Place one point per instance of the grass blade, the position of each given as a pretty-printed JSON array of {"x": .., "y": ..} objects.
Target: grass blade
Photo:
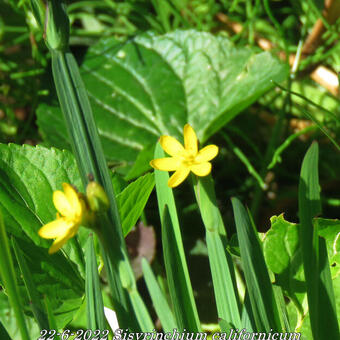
[
  {"x": 176, "y": 277},
  {"x": 259, "y": 287},
  {"x": 243, "y": 158},
  {"x": 94, "y": 300},
  {"x": 314, "y": 254},
  {"x": 159, "y": 301},
  {"x": 221, "y": 264}
]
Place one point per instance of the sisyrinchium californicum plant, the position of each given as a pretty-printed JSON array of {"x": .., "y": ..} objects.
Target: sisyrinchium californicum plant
[{"x": 170, "y": 99}]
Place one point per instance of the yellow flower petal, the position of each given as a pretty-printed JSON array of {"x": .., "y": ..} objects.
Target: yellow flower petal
[
  {"x": 62, "y": 204},
  {"x": 171, "y": 145},
  {"x": 58, "y": 243},
  {"x": 73, "y": 199},
  {"x": 178, "y": 177},
  {"x": 207, "y": 153},
  {"x": 190, "y": 139},
  {"x": 166, "y": 164},
  {"x": 56, "y": 228},
  {"x": 202, "y": 169}
]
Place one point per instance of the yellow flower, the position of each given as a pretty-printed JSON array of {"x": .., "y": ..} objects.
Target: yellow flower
[
  {"x": 71, "y": 210},
  {"x": 184, "y": 159}
]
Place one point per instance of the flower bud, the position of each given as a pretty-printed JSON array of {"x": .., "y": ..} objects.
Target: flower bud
[
  {"x": 57, "y": 25},
  {"x": 97, "y": 198},
  {"x": 38, "y": 11}
]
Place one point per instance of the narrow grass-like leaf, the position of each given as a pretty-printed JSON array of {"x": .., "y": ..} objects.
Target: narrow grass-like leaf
[
  {"x": 309, "y": 207},
  {"x": 314, "y": 253},
  {"x": 221, "y": 264},
  {"x": 135, "y": 316},
  {"x": 224, "y": 325},
  {"x": 142, "y": 314},
  {"x": 159, "y": 301},
  {"x": 7, "y": 274},
  {"x": 281, "y": 303},
  {"x": 35, "y": 301},
  {"x": 259, "y": 287},
  {"x": 176, "y": 276},
  {"x": 311, "y": 117},
  {"x": 277, "y": 154},
  {"x": 94, "y": 300},
  {"x": 179, "y": 283},
  {"x": 248, "y": 321},
  {"x": 320, "y": 126}
]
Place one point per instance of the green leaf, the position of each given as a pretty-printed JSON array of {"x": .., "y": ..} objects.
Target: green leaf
[
  {"x": 10, "y": 284},
  {"x": 281, "y": 248},
  {"x": 261, "y": 294},
  {"x": 159, "y": 301},
  {"x": 9, "y": 322},
  {"x": 221, "y": 264},
  {"x": 314, "y": 254},
  {"x": 28, "y": 177},
  {"x": 330, "y": 231},
  {"x": 183, "y": 303},
  {"x": 282, "y": 251},
  {"x": 94, "y": 300},
  {"x": 35, "y": 301},
  {"x": 153, "y": 85},
  {"x": 131, "y": 201},
  {"x": 141, "y": 164}
]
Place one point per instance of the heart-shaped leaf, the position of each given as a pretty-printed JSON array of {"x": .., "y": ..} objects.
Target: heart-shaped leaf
[{"x": 153, "y": 85}]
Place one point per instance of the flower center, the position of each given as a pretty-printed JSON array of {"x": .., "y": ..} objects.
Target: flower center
[{"x": 189, "y": 159}]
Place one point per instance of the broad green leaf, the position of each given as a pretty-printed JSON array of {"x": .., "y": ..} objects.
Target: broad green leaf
[
  {"x": 282, "y": 252},
  {"x": 28, "y": 177},
  {"x": 330, "y": 231},
  {"x": 153, "y": 85},
  {"x": 219, "y": 79},
  {"x": 131, "y": 201},
  {"x": 36, "y": 304},
  {"x": 283, "y": 256}
]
